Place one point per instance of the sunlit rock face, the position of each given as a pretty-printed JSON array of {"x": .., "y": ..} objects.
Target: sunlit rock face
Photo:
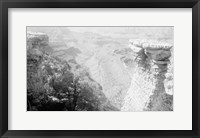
[{"x": 147, "y": 90}]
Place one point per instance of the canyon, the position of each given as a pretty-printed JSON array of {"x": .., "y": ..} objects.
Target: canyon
[{"x": 134, "y": 74}]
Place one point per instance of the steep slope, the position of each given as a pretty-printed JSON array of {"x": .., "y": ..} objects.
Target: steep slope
[
  {"x": 147, "y": 91},
  {"x": 54, "y": 84}
]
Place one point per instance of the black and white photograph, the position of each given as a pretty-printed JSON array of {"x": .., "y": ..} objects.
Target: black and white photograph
[{"x": 100, "y": 68}]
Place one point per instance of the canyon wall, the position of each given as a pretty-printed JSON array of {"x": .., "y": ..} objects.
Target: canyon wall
[
  {"x": 36, "y": 39},
  {"x": 54, "y": 84},
  {"x": 147, "y": 90}
]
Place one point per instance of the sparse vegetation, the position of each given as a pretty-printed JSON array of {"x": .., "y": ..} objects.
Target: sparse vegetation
[{"x": 52, "y": 85}]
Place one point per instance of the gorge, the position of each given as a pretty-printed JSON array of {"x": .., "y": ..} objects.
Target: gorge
[{"x": 116, "y": 74}]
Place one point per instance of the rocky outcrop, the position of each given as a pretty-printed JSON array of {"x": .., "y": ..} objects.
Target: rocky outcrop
[
  {"x": 147, "y": 90},
  {"x": 36, "y": 39}
]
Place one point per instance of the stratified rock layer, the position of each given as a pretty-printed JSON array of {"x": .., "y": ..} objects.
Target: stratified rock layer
[
  {"x": 147, "y": 91},
  {"x": 35, "y": 39}
]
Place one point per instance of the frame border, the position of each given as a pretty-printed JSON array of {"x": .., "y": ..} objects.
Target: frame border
[{"x": 6, "y": 4}]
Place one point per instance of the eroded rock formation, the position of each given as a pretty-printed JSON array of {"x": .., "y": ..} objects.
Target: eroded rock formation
[
  {"x": 35, "y": 39},
  {"x": 147, "y": 91}
]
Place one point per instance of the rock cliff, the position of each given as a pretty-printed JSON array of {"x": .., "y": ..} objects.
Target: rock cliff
[
  {"x": 147, "y": 90},
  {"x": 35, "y": 39}
]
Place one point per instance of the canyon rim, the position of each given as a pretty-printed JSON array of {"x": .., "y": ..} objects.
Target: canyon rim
[{"x": 102, "y": 68}]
